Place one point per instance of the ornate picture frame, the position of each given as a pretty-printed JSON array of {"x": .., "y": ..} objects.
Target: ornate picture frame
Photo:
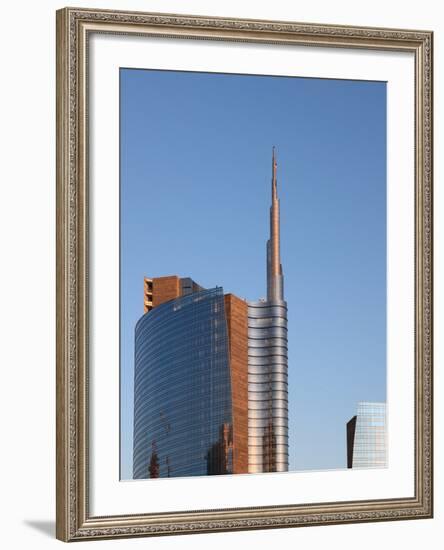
[{"x": 75, "y": 520}]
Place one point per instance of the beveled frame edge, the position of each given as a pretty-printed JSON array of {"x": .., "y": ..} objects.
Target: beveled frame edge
[{"x": 72, "y": 519}]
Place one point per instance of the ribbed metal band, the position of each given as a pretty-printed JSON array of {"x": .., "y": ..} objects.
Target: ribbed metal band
[{"x": 267, "y": 387}]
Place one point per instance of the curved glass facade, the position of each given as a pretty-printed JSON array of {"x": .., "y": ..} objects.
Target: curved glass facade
[
  {"x": 182, "y": 389},
  {"x": 267, "y": 387}
]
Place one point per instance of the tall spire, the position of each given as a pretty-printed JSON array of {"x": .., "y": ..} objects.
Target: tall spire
[
  {"x": 274, "y": 268},
  {"x": 273, "y": 177}
]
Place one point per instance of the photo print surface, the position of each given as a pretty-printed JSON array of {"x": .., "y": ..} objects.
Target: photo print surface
[{"x": 252, "y": 274}]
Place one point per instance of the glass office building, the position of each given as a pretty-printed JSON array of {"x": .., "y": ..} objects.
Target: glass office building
[
  {"x": 367, "y": 437},
  {"x": 182, "y": 389}
]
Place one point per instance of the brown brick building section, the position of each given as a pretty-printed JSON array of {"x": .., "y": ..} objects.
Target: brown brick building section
[
  {"x": 236, "y": 311},
  {"x": 159, "y": 290},
  {"x": 165, "y": 289}
]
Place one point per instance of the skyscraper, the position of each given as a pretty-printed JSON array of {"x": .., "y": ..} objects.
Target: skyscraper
[
  {"x": 267, "y": 360},
  {"x": 210, "y": 380},
  {"x": 189, "y": 415},
  {"x": 367, "y": 437}
]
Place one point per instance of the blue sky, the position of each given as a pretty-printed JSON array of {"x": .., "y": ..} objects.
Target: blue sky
[{"x": 195, "y": 195}]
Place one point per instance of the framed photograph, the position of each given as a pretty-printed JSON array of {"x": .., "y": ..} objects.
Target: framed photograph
[{"x": 244, "y": 274}]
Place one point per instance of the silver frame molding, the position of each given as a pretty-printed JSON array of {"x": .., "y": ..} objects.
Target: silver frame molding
[{"x": 74, "y": 521}]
